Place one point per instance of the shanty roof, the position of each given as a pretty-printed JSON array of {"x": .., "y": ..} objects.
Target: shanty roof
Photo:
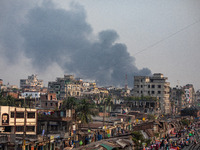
[{"x": 107, "y": 146}]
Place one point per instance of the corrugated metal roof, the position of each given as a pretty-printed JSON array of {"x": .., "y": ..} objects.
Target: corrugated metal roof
[{"x": 107, "y": 146}]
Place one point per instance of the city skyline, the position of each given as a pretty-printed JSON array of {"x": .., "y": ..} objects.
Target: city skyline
[{"x": 157, "y": 37}]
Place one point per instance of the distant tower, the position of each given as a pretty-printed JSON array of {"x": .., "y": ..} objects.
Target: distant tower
[{"x": 126, "y": 83}]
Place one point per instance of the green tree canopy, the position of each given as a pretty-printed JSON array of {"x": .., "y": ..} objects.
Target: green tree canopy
[
  {"x": 85, "y": 110},
  {"x": 69, "y": 103},
  {"x": 7, "y": 100}
]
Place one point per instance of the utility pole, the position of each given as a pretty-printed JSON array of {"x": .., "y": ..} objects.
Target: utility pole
[{"x": 24, "y": 135}]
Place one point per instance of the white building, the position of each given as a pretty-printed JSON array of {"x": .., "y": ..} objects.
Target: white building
[{"x": 31, "y": 95}]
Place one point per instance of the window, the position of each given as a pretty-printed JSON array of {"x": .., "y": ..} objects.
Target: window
[
  {"x": 19, "y": 128},
  {"x": 46, "y": 104},
  {"x": 141, "y": 86},
  {"x": 159, "y": 86},
  {"x": 148, "y": 86},
  {"x": 31, "y": 115},
  {"x": 30, "y": 128},
  {"x": 152, "y": 92},
  {"x": 152, "y": 86},
  {"x": 20, "y": 115},
  {"x": 159, "y": 92},
  {"x": 141, "y": 92},
  {"x": 51, "y": 104},
  {"x": 148, "y": 92},
  {"x": 12, "y": 114},
  {"x": 5, "y": 119}
]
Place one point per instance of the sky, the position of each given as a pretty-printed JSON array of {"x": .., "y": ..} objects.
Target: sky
[{"x": 100, "y": 40}]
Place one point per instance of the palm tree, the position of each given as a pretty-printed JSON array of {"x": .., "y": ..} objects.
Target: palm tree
[
  {"x": 69, "y": 103},
  {"x": 85, "y": 110},
  {"x": 107, "y": 102}
]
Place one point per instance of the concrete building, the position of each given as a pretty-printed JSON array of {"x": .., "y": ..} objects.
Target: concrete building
[
  {"x": 30, "y": 94},
  {"x": 31, "y": 83},
  {"x": 49, "y": 101},
  {"x": 197, "y": 98},
  {"x": 12, "y": 120},
  {"x": 65, "y": 87},
  {"x": 189, "y": 94},
  {"x": 177, "y": 98},
  {"x": 155, "y": 86}
]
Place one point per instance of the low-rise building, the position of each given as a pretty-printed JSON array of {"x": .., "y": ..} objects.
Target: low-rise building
[{"x": 13, "y": 120}]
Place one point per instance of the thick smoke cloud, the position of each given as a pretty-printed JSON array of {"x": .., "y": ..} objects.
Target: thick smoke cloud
[{"x": 53, "y": 35}]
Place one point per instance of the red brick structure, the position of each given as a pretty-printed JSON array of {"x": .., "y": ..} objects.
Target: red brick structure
[{"x": 49, "y": 101}]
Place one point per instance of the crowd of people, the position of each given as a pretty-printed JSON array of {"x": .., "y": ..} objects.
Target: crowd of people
[{"x": 180, "y": 140}]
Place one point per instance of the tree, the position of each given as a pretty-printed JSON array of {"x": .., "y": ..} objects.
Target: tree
[
  {"x": 107, "y": 102},
  {"x": 10, "y": 101},
  {"x": 138, "y": 139},
  {"x": 7, "y": 100},
  {"x": 85, "y": 110},
  {"x": 69, "y": 103}
]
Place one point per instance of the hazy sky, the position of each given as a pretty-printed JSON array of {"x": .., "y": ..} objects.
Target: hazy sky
[{"x": 117, "y": 37}]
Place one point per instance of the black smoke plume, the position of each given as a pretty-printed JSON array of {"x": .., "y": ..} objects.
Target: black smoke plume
[{"x": 54, "y": 35}]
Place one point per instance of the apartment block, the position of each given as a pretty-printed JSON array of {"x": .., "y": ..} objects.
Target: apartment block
[
  {"x": 65, "y": 87},
  {"x": 31, "y": 83},
  {"x": 155, "y": 86},
  {"x": 49, "y": 101},
  {"x": 177, "y": 98},
  {"x": 189, "y": 94}
]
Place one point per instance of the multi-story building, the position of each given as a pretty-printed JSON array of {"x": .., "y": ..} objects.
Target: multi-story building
[
  {"x": 189, "y": 94},
  {"x": 12, "y": 120},
  {"x": 48, "y": 101},
  {"x": 177, "y": 98},
  {"x": 31, "y": 83},
  {"x": 65, "y": 87},
  {"x": 197, "y": 97},
  {"x": 155, "y": 86}
]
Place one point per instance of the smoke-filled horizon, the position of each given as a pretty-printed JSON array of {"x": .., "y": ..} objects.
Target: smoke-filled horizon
[{"x": 47, "y": 36}]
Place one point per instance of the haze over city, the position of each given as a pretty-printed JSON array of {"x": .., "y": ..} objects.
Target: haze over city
[{"x": 100, "y": 40}]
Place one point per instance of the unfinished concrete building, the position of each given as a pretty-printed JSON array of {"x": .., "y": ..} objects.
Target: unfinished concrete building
[{"x": 155, "y": 86}]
